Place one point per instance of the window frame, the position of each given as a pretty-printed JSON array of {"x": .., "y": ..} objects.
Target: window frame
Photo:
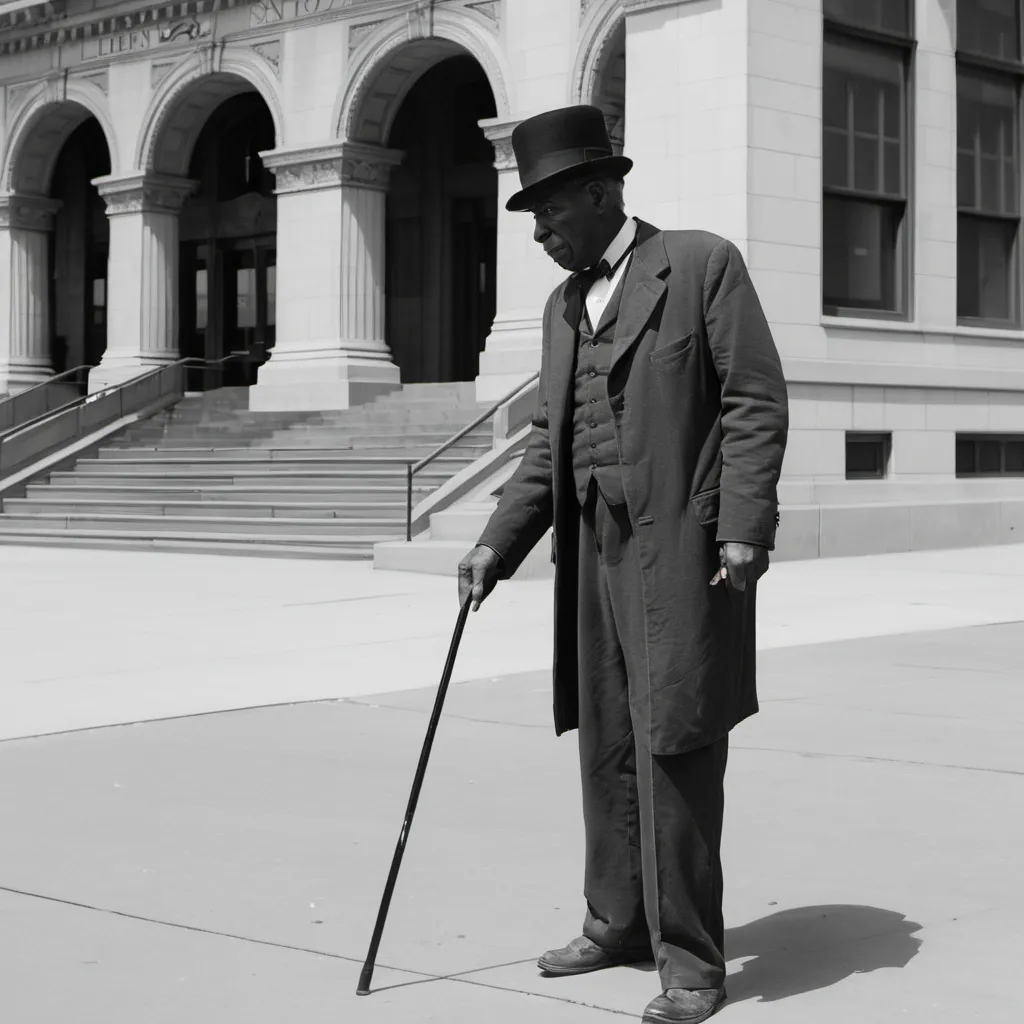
[
  {"x": 977, "y": 438},
  {"x": 883, "y": 438},
  {"x": 1010, "y": 72},
  {"x": 905, "y": 46}
]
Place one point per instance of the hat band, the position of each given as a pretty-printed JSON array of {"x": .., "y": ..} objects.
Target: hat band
[{"x": 559, "y": 160}]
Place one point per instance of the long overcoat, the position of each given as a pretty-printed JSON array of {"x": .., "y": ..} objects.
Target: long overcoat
[{"x": 701, "y": 418}]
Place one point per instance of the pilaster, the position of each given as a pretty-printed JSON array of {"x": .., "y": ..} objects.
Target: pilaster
[
  {"x": 142, "y": 310},
  {"x": 525, "y": 279},
  {"x": 330, "y": 351},
  {"x": 25, "y": 226}
]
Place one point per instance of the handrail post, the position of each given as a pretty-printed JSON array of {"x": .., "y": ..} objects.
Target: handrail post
[{"x": 408, "y": 502}]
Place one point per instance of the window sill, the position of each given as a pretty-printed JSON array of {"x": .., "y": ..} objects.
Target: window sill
[{"x": 909, "y": 327}]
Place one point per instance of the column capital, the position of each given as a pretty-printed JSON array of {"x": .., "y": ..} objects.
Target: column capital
[
  {"x": 499, "y": 134},
  {"x": 331, "y": 165},
  {"x": 28, "y": 213},
  {"x": 143, "y": 193}
]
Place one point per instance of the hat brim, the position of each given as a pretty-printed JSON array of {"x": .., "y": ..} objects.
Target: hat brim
[{"x": 618, "y": 166}]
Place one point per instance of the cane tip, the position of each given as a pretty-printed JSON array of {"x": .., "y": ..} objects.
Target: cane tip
[{"x": 362, "y": 991}]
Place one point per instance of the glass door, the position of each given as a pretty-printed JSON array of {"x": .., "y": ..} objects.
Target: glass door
[{"x": 250, "y": 307}]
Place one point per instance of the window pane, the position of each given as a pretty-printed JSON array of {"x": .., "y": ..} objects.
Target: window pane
[
  {"x": 860, "y": 259},
  {"x": 245, "y": 297},
  {"x": 989, "y": 457},
  {"x": 835, "y": 170},
  {"x": 1014, "y": 454},
  {"x": 986, "y": 144},
  {"x": 991, "y": 27},
  {"x": 866, "y": 457},
  {"x": 984, "y": 264},
  {"x": 863, "y": 98},
  {"x": 202, "y": 299},
  {"x": 893, "y": 175},
  {"x": 965, "y": 458},
  {"x": 883, "y": 15}
]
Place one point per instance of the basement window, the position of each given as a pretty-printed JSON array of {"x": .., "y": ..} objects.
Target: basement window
[
  {"x": 867, "y": 456},
  {"x": 990, "y": 454}
]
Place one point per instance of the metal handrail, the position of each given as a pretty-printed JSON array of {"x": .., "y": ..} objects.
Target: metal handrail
[
  {"x": 9, "y": 404},
  {"x": 59, "y": 428},
  {"x": 413, "y": 468}
]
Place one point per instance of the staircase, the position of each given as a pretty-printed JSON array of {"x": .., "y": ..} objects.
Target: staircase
[{"x": 209, "y": 475}]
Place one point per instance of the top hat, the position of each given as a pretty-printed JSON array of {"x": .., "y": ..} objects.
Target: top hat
[{"x": 558, "y": 145}]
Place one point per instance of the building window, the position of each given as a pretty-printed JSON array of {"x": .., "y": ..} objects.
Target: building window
[
  {"x": 989, "y": 72},
  {"x": 990, "y": 454},
  {"x": 865, "y": 172},
  {"x": 867, "y": 456}
]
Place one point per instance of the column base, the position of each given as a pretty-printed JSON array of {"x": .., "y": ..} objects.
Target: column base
[
  {"x": 512, "y": 353},
  {"x": 119, "y": 371},
  {"x": 22, "y": 374},
  {"x": 318, "y": 379}
]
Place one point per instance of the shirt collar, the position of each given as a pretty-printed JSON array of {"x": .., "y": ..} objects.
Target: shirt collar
[{"x": 621, "y": 242}]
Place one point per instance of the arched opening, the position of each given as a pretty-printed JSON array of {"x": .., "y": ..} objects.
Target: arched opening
[
  {"x": 228, "y": 241},
  {"x": 78, "y": 251},
  {"x": 610, "y": 86},
  {"x": 441, "y": 241}
]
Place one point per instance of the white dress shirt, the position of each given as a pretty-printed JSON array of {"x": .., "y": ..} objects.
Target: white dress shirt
[{"x": 601, "y": 290}]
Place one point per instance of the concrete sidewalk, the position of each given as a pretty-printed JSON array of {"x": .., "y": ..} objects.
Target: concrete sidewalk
[
  {"x": 227, "y": 868},
  {"x": 90, "y": 637}
]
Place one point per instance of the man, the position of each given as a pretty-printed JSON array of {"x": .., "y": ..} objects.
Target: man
[{"x": 655, "y": 453}]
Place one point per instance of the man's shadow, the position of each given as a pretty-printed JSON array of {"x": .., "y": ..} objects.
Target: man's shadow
[{"x": 808, "y": 948}]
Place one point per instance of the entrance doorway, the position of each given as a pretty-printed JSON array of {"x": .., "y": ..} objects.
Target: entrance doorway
[
  {"x": 228, "y": 260},
  {"x": 79, "y": 245},
  {"x": 442, "y": 222}
]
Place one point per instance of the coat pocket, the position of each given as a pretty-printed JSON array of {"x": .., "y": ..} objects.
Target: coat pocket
[
  {"x": 674, "y": 350},
  {"x": 705, "y": 506}
]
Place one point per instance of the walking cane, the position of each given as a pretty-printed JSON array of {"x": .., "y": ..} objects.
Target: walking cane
[{"x": 417, "y": 783}]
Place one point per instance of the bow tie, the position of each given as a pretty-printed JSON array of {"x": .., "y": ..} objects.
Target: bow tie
[{"x": 593, "y": 274}]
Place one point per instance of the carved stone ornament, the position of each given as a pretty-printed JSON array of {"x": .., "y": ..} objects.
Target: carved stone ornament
[
  {"x": 16, "y": 95},
  {"x": 490, "y": 9},
  {"x": 144, "y": 194},
  {"x": 27, "y": 213},
  {"x": 271, "y": 53},
  {"x": 347, "y": 163},
  {"x": 357, "y": 33},
  {"x": 499, "y": 135},
  {"x": 158, "y": 72},
  {"x": 188, "y": 29}
]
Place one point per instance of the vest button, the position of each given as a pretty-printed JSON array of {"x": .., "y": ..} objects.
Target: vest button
[
  {"x": 593, "y": 373},
  {"x": 593, "y": 423},
  {"x": 593, "y": 444}
]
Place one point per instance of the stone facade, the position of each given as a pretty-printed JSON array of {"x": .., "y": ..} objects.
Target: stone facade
[{"x": 719, "y": 104}]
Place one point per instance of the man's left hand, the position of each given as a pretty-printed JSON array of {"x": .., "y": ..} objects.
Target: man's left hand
[{"x": 741, "y": 564}]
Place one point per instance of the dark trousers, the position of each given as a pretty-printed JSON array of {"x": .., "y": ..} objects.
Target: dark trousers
[{"x": 653, "y": 823}]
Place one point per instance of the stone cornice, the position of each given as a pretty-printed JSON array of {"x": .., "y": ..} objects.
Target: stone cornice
[
  {"x": 143, "y": 193},
  {"x": 499, "y": 134},
  {"x": 331, "y": 166},
  {"x": 27, "y": 213}
]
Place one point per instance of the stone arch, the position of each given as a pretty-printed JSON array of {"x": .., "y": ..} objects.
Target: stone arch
[
  {"x": 599, "y": 73},
  {"x": 388, "y": 63},
  {"x": 189, "y": 94},
  {"x": 40, "y": 128}
]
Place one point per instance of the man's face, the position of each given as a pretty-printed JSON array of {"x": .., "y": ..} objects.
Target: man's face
[{"x": 568, "y": 223}]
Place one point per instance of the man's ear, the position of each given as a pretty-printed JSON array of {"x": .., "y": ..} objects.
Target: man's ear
[{"x": 598, "y": 194}]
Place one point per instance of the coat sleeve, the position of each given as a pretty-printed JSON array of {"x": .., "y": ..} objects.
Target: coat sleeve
[
  {"x": 526, "y": 509},
  {"x": 755, "y": 409}
]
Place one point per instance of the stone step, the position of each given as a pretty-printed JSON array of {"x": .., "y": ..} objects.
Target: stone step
[
  {"x": 298, "y": 451},
  {"x": 341, "y": 494},
  {"x": 463, "y": 523},
  {"x": 197, "y": 542},
  {"x": 370, "y": 529},
  {"x": 138, "y": 462},
  {"x": 258, "y": 476},
  {"x": 380, "y": 512}
]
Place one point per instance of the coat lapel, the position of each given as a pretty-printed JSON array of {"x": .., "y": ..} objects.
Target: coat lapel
[{"x": 641, "y": 290}]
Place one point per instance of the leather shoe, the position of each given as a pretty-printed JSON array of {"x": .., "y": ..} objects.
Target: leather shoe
[
  {"x": 684, "y": 1006},
  {"x": 583, "y": 955}
]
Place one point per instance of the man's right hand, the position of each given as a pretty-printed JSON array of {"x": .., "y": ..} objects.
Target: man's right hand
[{"x": 478, "y": 572}]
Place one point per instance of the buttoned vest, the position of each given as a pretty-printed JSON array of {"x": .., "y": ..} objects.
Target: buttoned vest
[{"x": 595, "y": 450}]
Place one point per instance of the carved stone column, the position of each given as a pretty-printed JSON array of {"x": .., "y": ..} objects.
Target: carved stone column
[
  {"x": 330, "y": 351},
  {"x": 25, "y": 226},
  {"x": 142, "y": 276},
  {"x": 525, "y": 279}
]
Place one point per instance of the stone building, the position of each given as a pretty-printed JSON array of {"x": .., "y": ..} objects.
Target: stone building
[{"x": 322, "y": 182}]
